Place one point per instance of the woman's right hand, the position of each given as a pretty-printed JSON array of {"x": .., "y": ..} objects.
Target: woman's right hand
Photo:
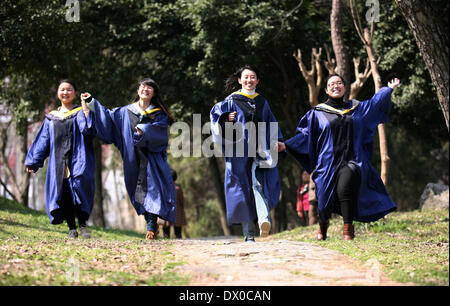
[
  {"x": 85, "y": 97},
  {"x": 231, "y": 116},
  {"x": 394, "y": 83}
]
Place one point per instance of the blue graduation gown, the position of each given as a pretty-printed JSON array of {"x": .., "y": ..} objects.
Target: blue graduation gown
[
  {"x": 314, "y": 148},
  {"x": 147, "y": 175},
  {"x": 240, "y": 201},
  {"x": 81, "y": 162}
]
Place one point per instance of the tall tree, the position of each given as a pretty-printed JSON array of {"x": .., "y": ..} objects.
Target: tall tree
[
  {"x": 337, "y": 39},
  {"x": 428, "y": 20},
  {"x": 366, "y": 37}
]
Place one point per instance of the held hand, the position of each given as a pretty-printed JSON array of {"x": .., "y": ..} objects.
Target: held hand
[
  {"x": 281, "y": 146},
  {"x": 85, "y": 97},
  {"x": 139, "y": 131},
  {"x": 231, "y": 116},
  {"x": 29, "y": 170},
  {"x": 394, "y": 83}
]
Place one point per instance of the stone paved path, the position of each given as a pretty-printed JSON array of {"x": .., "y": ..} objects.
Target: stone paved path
[{"x": 228, "y": 261}]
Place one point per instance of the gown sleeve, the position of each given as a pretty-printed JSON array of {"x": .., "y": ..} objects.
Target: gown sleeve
[
  {"x": 86, "y": 124},
  {"x": 219, "y": 116},
  {"x": 154, "y": 135},
  {"x": 377, "y": 109},
  {"x": 105, "y": 126},
  {"x": 300, "y": 145},
  {"x": 40, "y": 148}
]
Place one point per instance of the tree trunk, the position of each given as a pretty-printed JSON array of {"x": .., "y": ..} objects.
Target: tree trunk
[
  {"x": 432, "y": 39},
  {"x": 18, "y": 178},
  {"x": 384, "y": 153},
  {"x": 337, "y": 39},
  {"x": 98, "y": 217},
  {"x": 23, "y": 178},
  {"x": 287, "y": 106},
  {"x": 215, "y": 172}
]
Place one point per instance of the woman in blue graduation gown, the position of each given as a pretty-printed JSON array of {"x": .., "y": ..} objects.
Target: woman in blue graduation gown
[
  {"x": 252, "y": 184},
  {"x": 334, "y": 142},
  {"x": 140, "y": 132},
  {"x": 65, "y": 137}
]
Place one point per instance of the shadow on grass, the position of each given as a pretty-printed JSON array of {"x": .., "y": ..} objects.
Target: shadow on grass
[{"x": 10, "y": 206}]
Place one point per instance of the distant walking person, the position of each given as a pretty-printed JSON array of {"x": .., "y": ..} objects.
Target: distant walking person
[
  {"x": 252, "y": 183},
  {"x": 140, "y": 131},
  {"x": 333, "y": 141},
  {"x": 66, "y": 139}
]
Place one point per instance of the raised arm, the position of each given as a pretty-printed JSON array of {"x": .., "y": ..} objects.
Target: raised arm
[
  {"x": 103, "y": 121},
  {"x": 377, "y": 109}
]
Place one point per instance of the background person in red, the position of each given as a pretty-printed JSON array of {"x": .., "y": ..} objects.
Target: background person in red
[{"x": 303, "y": 199}]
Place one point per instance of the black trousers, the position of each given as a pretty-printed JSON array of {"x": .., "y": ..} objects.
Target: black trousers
[
  {"x": 347, "y": 189},
  {"x": 70, "y": 210},
  {"x": 177, "y": 229}
]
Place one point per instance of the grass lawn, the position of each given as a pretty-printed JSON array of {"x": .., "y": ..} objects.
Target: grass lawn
[
  {"x": 35, "y": 252},
  {"x": 409, "y": 246}
]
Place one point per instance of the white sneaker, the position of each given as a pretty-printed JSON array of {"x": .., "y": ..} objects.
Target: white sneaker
[{"x": 264, "y": 229}]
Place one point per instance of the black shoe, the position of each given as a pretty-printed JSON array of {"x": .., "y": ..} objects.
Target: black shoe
[
  {"x": 85, "y": 232},
  {"x": 73, "y": 234}
]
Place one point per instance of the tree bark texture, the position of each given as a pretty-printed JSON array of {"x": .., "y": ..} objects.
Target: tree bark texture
[
  {"x": 98, "y": 217},
  {"x": 337, "y": 39},
  {"x": 432, "y": 40}
]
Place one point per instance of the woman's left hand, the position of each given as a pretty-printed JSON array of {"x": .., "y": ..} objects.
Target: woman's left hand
[
  {"x": 394, "y": 83},
  {"x": 280, "y": 146}
]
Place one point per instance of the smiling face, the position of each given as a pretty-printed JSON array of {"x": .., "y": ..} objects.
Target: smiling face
[
  {"x": 145, "y": 92},
  {"x": 335, "y": 87},
  {"x": 248, "y": 80},
  {"x": 66, "y": 93}
]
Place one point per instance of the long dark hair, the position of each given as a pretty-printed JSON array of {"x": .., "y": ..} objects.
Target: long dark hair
[
  {"x": 232, "y": 84},
  {"x": 156, "y": 99}
]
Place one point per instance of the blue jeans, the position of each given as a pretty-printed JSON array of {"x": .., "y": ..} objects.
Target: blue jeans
[
  {"x": 262, "y": 205},
  {"x": 151, "y": 219}
]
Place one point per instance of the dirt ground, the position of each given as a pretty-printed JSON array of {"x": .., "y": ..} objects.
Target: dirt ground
[{"x": 229, "y": 261}]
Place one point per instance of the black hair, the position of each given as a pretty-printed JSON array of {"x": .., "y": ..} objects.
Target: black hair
[
  {"x": 232, "y": 84},
  {"x": 156, "y": 99},
  {"x": 71, "y": 82}
]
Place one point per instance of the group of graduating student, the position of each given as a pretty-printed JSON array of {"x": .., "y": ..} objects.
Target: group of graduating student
[{"x": 333, "y": 142}]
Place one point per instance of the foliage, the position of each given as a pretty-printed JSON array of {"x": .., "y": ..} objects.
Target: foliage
[{"x": 190, "y": 46}]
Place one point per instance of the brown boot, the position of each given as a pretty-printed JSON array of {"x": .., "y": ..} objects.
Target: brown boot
[
  {"x": 151, "y": 235},
  {"x": 323, "y": 227},
  {"x": 348, "y": 232}
]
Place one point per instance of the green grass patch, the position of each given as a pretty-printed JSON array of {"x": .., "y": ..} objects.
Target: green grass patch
[
  {"x": 35, "y": 252},
  {"x": 411, "y": 247}
]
